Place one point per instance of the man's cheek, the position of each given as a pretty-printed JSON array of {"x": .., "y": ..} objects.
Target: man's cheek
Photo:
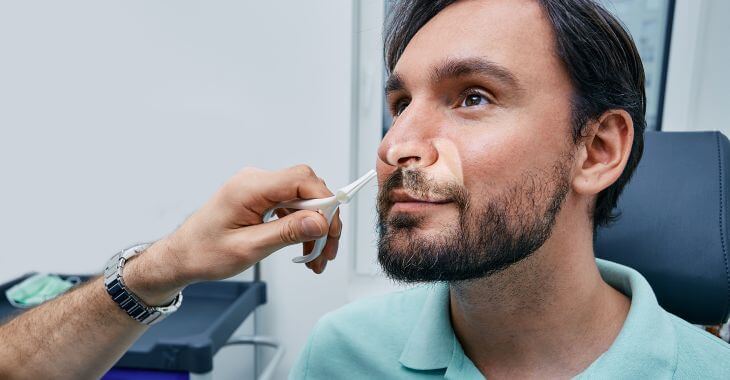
[{"x": 448, "y": 167}]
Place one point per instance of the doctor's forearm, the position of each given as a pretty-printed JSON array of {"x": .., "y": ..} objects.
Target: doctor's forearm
[{"x": 79, "y": 335}]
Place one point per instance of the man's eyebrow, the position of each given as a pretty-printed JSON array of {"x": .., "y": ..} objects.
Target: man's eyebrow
[
  {"x": 394, "y": 83},
  {"x": 454, "y": 68}
]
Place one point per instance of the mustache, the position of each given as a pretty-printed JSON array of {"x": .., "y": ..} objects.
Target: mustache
[{"x": 417, "y": 182}]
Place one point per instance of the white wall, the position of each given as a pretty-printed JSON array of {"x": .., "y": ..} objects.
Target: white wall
[
  {"x": 119, "y": 119},
  {"x": 699, "y": 75}
]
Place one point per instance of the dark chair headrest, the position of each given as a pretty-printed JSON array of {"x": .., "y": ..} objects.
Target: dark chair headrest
[{"x": 673, "y": 227}]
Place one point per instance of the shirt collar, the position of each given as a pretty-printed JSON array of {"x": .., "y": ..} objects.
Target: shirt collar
[
  {"x": 646, "y": 346},
  {"x": 432, "y": 344}
]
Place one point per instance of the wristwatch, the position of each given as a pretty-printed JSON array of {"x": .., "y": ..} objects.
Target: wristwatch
[{"x": 128, "y": 301}]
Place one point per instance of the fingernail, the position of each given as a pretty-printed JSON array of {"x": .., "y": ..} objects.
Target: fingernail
[{"x": 311, "y": 227}]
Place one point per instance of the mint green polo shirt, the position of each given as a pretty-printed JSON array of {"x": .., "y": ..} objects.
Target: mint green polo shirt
[{"x": 408, "y": 335}]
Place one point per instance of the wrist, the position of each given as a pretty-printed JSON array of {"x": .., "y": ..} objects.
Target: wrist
[{"x": 152, "y": 276}]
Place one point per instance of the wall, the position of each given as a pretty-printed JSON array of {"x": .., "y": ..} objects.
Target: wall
[
  {"x": 698, "y": 75},
  {"x": 119, "y": 119}
]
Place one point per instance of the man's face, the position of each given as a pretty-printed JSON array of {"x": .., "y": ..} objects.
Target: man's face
[{"x": 478, "y": 161}]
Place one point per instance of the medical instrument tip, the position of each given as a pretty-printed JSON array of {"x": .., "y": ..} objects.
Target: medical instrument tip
[{"x": 346, "y": 193}]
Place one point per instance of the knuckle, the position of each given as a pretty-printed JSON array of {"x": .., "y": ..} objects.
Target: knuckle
[
  {"x": 288, "y": 233},
  {"x": 249, "y": 170},
  {"x": 243, "y": 176},
  {"x": 322, "y": 186},
  {"x": 303, "y": 170}
]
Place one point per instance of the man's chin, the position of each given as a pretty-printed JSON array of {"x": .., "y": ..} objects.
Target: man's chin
[{"x": 416, "y": 253}]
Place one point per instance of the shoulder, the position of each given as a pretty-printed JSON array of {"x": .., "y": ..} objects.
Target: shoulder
[
  {"x": 375, "y": 319},
  {"x": 385, "y": 307},
  {"x": 362, "y": 337},
  {"x": 700, "y": 354}
]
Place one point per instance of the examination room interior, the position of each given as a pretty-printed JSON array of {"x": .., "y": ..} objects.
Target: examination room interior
[{"x": 119, "y": 119}]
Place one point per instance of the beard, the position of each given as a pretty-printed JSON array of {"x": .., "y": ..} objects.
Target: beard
[{"x": 485, "y": 240}]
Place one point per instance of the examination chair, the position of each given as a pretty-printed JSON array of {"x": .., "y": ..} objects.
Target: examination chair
[{"x": 673, "y": 224}]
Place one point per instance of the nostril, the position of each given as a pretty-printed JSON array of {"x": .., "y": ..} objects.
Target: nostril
[{"x": 403, "y": 161}]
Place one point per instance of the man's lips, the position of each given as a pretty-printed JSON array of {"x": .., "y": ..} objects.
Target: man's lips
[{"x": 402, "y": 197}]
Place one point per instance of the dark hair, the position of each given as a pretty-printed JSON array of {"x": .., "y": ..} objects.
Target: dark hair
[{"x": 600, "y": 57}]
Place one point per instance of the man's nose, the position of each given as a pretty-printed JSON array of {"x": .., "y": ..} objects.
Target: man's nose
[
  {"x": 411, "y": 154},
  {"x": 408, "y": 144}
]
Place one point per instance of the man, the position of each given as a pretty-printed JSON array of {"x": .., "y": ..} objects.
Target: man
[{"x": 516, "y": 125}]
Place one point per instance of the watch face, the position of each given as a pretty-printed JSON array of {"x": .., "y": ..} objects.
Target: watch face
[{"x": 111, "y": 266}]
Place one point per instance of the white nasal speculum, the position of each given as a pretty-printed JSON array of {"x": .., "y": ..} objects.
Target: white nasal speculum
[{"x": 326, "y": 206}]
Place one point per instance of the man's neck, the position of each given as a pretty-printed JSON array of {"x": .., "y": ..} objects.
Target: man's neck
[{"x": 548, "y": 316}]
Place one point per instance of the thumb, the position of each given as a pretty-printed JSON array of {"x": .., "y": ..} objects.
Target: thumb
[{"x": 296, "y": 227}]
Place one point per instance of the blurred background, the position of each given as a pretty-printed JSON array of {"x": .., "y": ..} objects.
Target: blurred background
[{"x": 119, "y": 119}]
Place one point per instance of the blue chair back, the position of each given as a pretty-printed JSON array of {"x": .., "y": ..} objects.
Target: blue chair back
[{"x": 673, "y": 226}]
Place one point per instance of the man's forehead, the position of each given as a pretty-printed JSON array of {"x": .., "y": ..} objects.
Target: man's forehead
[{"x": 513, "y": 34}]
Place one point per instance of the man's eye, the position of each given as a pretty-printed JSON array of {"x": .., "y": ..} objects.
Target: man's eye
[
  {"x": 400, "y": 106},
  {"x": 474, "y": 99}
]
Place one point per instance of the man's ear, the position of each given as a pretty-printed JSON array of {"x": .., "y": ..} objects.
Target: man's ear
[{"x": 605, "y": 150}]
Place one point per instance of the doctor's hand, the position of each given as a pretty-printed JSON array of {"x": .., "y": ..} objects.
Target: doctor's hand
[{"x": 227, "y": 235}]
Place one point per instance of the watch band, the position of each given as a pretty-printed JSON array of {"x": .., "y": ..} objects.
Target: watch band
[{"x": 126, "y": 299}]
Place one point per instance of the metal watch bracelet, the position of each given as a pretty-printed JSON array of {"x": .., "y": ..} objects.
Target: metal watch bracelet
[{"x": 126, "y": 299}]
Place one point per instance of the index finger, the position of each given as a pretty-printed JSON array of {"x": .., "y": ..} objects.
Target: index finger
[
  {"x": 298, "y": 182},
  {"x": 259, "y": 190}
]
